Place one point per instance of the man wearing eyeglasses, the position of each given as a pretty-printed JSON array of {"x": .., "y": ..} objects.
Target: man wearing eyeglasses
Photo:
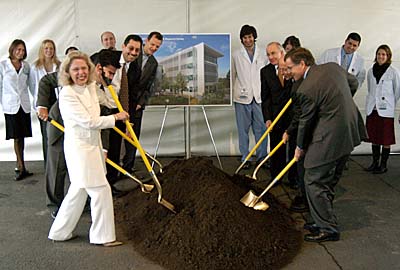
[{"x": 328, "y": 131}]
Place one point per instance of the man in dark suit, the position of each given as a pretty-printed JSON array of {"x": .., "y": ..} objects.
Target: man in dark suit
[
  {"x": 140, "y": 90},
  {"x": 328, "y": 131},
  {"x": 130, "y": 52},
  {"x": 275, "y": 93}
]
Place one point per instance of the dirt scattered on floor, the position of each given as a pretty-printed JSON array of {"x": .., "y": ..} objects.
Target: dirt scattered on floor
[{"x": 212, "y": 229}]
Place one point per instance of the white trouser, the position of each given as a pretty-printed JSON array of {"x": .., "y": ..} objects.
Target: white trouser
[{"x": 102, "y": 212}]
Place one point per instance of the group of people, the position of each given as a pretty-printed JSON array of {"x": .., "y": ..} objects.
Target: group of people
[
  {"x": 322, "y": 125},
  {"x": 75, "y": 94}
]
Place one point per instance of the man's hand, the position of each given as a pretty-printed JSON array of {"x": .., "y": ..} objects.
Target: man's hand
[
  {"x": 43, "y": 113},
  {"x": 138, "y": 107},
  {"x": 285, "y": 137},
  {"x": 298, "y": 153},
  {"x": 268, "y": 123}
]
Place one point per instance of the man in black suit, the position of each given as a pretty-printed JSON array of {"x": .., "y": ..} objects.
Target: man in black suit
[
  {"x": 140, "y": 90},
  {"x": 328, "y": 131},
  {"x": 130, "y": 52},
  {"x": 275, "y": 93}
]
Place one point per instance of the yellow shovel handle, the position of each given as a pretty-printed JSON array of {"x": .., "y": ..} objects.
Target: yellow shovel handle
[{"x": 130, "y": 129}]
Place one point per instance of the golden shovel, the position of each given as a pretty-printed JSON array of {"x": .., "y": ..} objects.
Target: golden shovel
[
  {"x": 254, "y": 201},
  {"x": 264, "y": 136},
  {"x": 144, "y": 187},
  {"x": 265, "y": 160},
  {"x": 161, "y": 200}
]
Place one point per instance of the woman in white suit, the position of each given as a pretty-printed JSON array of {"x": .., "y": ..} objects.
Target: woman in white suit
[
  {"x": 15, "y": 101},
  {"x": 79, "y": 106},
  {"x": 383, "y": 93},
  {"x": 46, "y": 63}
]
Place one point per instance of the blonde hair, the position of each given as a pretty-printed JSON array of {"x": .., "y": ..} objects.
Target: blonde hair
[
  {"x": 41, "y": 60},
  {"x": 64, "y": 76}
]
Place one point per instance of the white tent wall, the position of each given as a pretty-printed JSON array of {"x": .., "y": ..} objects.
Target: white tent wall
[{"x": 319, "y": 25}]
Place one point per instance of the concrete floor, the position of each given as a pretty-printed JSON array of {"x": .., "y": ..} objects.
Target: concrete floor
[{"x": 367, "y": 207}]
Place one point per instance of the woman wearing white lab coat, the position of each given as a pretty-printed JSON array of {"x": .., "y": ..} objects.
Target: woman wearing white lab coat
[
  {"x": 46, "y": 63},
  {"x": 383, "y": 93},
  {"x": 15, "y": 101},
  {"x": 79, "y": 106}
]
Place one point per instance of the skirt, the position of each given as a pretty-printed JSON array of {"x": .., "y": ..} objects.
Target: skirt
[
  {"x": 380, "y": 129},
  {"x": 18, "y": 125}
]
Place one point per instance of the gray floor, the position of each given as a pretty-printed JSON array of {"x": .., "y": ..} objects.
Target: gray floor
[{"x": 367, "y": 207}]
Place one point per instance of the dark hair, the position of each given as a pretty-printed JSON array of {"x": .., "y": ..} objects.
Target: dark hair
[
  {"x": 354, "y": 36},
  {"x": 14, "y": 45},
  {"x": 388, "y": 51},
  {"x": 69, "y": 49},
  {"x": 248, "y": 30},
  {"x": 292, "y": 40},
  {"x": 134, "y": 38},
  {"x": 107, "y": 57},
  {"x": 156, "y": 34},
  {"x": 299, "y": 54}
]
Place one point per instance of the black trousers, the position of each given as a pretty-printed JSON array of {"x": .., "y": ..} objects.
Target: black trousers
[
  {"x": 320, "y": 185},
  {"x": 130, "y": 150}
]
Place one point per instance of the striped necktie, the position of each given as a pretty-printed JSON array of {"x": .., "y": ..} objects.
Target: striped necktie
[{"x": 123, "y": 92}]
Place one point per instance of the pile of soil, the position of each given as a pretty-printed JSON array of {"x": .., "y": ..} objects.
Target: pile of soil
[{"x": 212, "y": 228}]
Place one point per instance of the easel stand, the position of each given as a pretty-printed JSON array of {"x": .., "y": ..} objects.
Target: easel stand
[{"x": 187, "y": 132}]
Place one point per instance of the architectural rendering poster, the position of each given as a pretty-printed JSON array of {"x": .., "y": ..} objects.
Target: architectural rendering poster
[{"x": 194, "y": 69}]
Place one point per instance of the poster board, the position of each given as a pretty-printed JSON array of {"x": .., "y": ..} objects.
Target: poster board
[{"x": 193, "y": 70}]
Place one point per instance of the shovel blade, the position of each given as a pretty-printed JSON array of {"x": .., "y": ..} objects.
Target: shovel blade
[
  {"x": 167, "y": 205},
  {"x": 250, "y": 199},
  {"x": 262, "y": 206},
  {"x": 146, "y": 188}
]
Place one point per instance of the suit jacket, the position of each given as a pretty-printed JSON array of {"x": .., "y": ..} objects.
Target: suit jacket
[
  {"x": 79, "y": 106},
  {"x": 329, "y": 122},
  {"x": 141, "y": 86},
  {"x": 48, "y": 86},
  {"x": 274, "y": 97}
]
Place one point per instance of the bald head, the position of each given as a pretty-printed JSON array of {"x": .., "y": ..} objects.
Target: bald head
[{"x": 275, "y": 52}]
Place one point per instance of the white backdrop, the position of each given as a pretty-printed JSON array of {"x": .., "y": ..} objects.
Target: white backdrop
[{"x": 319, "y": 25}]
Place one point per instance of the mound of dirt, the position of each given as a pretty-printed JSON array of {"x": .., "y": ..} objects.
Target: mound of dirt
[{"x": 212, "y": 228}]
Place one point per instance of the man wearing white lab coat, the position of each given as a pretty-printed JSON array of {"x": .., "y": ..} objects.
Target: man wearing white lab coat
[
  {"x": 247, "y": 63},
  {"x": 347, "y": 57}
]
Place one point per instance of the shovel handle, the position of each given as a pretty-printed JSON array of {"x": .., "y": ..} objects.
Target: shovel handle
[
  {"x": 279, "y": 176},
  {"x": 267, "y": 157},
  {"x": 264, "y": 135}
]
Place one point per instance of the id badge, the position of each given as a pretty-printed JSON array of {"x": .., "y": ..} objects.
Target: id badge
[
  {"x": 382, "y": 105},
  {"x": 243, "y": 94}
]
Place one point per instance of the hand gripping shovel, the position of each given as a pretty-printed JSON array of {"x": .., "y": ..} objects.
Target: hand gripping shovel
[
  {"x": 161, "y": 200},
  {"x": 135, "y": 145},
  {"x": 255, "y": 202},
  {"x": 264, "y": 136},
  {"x": 144, "y": 187},
  {"x": 265, "y": 160}
]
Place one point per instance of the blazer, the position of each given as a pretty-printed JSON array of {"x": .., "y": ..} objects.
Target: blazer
[
  {"x": 14, "y": 87},
  {"x": 79, "y": 106},
  {"x": 246, "y": 75},
  {"x": 387, "y": 90},
  {"x": 53, "y": 133},
  {"x": 356, "y": 66},
  {"x": 274, "y": 97},
  {"x": 36, "y": 74},
  {"x": 141, "y": 85},
  {"x": 48, "y": 90},
  {"x": 329, "y": 121}
]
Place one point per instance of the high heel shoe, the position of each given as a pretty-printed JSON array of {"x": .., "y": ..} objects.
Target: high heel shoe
[{"x": 19, "y": 175}]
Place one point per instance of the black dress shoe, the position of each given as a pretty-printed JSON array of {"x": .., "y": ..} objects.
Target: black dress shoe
[
  {"x": 311, "y": 227},
  {"x": 380, "y": 170},
  {"x": 322, "y": 236}
]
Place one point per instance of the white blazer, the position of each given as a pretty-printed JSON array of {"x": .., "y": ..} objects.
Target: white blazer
[
  {"x": 14, "y": 87},
  {"x": 387, "y": 91},
  {"x": 356, "y": 66},
  {"x": 80, "y": 110},
  {"x": 36, "y": 74},
  {"x": 246, "y": 75}
]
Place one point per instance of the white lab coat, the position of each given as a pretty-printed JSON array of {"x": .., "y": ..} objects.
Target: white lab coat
[
  {"x": 14, "y": 87},
  {"x": 37, "y": 73},
  {"x": 246, "y": 75},
  {"x": 388, "y": 88},
  {"x": 356, "y": 66}
]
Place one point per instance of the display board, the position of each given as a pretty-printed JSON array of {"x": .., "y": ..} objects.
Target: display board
[{"x": 193, "y": 69}]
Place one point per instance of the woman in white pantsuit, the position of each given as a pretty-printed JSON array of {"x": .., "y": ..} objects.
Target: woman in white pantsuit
[{"x": 79, "y": 106}]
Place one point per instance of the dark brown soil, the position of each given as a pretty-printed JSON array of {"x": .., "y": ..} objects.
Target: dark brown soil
[{"x": 212, "y": 229}]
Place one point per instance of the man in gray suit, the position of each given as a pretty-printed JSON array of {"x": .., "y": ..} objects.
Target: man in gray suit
[
  {"x": 328, "y": 131},
  {"x": 140, "y": 90}
]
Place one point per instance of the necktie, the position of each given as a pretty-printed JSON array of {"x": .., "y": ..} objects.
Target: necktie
[
  {"x": 123, "y": 92},
  {"x": 280, "y": 76},
  {"x": 344, "y": 63}
]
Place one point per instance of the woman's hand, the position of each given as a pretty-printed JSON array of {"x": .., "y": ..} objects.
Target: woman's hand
[{"x": 121, "y": 116}]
